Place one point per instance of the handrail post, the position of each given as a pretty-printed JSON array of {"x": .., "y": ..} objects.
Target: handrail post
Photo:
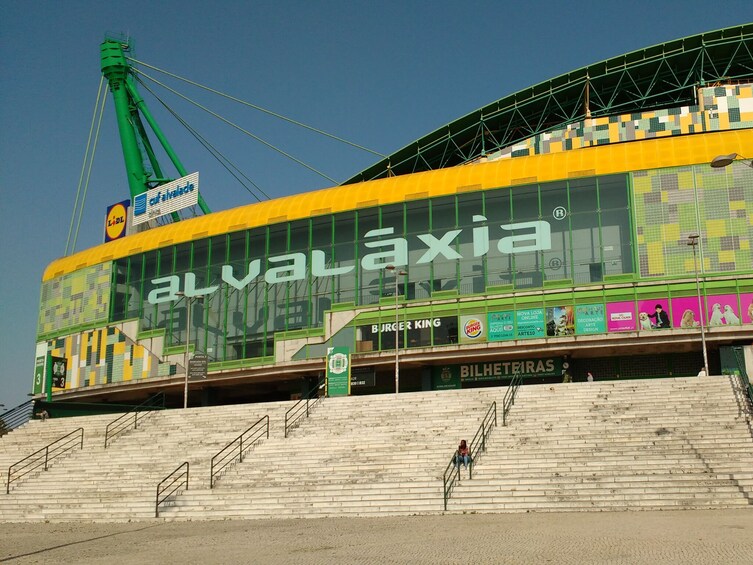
[
  {"x": 241, "y": 453},
  {"x": 46, "y": 453},
  {"x": 495, "y": 413}
]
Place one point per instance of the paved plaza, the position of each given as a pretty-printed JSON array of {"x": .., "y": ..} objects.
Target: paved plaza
[{"x": 683, "y": 537}]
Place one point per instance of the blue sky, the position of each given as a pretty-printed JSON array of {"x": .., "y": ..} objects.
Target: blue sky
[{"x": 380, "y": 74}]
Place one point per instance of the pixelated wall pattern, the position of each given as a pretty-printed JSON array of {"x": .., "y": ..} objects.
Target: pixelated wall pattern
[
  {"x": 76, "y": 299},
  {"x": 723, "y": 108},
  {"x": 106, "y": 356},
  {"x": 665, "y": 209}
]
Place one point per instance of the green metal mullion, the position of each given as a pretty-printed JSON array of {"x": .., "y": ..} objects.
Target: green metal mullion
[
  {"x": 289, "y": 283},
  {"x": 335, "y": 279},
  {"x": 266, "y": 294},
  {"x": 540, "y": 254},
  {"x": 600, "y": 226},
  {"x": 457, "y": 245},
  {"x": 310, "y": 277},
  {"x": 633, "y": 227},
  {"x": 357, "y": 289},
  {"x": 571, "y": 258},
  {"x": 245, "y": 300}
]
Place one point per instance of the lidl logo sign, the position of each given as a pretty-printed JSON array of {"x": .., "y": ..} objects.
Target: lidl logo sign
[{"x": 116, "y": 220}]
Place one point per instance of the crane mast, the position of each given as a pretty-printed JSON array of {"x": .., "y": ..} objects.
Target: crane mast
[{"x": 129, "y": 108}]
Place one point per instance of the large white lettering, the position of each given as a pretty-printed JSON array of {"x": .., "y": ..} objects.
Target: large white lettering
[{"x": 391, "y": 251}]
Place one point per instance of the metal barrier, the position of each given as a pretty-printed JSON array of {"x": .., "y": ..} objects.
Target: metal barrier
[
  {"x": 745, "y": 381},
  {"x": 245, "y": 441},
  {"x": 477, "y": 446},
  {"x": 123, "y": 422},
  {"x": 177, "y": 477},
  {"x": 44, "y": 456},
  {"x": 302, "y": 408},
  {"x": 509, "y": 400},
  {"x": 16, "y": 417}
]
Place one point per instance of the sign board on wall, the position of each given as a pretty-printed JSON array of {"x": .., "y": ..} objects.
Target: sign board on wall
[
  {"x": 197, "y": 367},
  {"x": 338, "y": 371},
  {"x": 472, "y": 328},
  {"x": 166, "y": 198},
  {"x": 451, "y": 376},
  {"x": 116, "y": 220}
]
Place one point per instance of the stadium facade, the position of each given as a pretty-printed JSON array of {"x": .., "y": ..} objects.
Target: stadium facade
[{"x": 536, "y": 235}]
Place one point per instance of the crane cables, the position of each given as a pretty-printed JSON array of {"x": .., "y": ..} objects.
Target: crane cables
[
  {"x": 239, "y": 128},
  {"x": 254, "y": 106},
  {"x": 231, "y": 167},
  {"x": 86, "y": 167}
]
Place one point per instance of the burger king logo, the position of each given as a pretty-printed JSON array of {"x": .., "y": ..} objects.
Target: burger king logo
[{"x": 473, "y": 328}]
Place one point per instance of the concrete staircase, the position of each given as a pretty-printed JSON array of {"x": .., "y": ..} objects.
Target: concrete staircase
[
  {"x": 119, "y": 483},
  {"x": 618, "y": 445},
  {"x": 361, "y": 456}
]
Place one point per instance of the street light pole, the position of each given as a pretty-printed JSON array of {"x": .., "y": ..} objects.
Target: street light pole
[
  {"x": 693, "y": 241},
  {"x": 186, "y": 353},
  {"x": 398, "y": 273}
]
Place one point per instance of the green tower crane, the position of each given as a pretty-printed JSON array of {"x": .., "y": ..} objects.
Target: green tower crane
[{"x": 129, "y": 107}]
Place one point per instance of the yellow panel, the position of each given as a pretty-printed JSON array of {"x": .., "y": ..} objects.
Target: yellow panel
[
  {"x": 745, "y": 244},
  {"x": 737, "y": 205},
  {"x": 716, "y": 228},
  {"x": 665, "y": 196},
  {"x": 127, "y": 368},
  {"x": 602, "y": 160},
  {"x": 655, "y": 253},
  {"x": 670, "y": 232},
  {"x": 727, "y": 256}
]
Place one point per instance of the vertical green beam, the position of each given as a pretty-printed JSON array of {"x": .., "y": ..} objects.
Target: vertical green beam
[
  {"x": 142, "y": 107},
  {"x": 115, "y": 70}
]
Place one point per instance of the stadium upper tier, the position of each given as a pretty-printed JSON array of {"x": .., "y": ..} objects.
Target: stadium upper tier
[
  {"x": 601, "y": 160},
  {"x": 663, "y": 76}
]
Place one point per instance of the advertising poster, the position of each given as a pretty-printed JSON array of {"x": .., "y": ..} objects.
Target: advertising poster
[
  {"x": 621, "y": 316},
  {"x": 746, "y": 308},
  {"x": 472, "y": 328},
  {"x": 589, "y": 319},
  {"x": 654, "y": 314},
  {"x": 530, "y": 323},
  {"x": 338, "y": 371},
  {"x": 722, "y": 310},
  {"x": 685, "y": 313},
  {"x": 501, "y": 326},
  {"x": 116, "y": 220},
  {"x": 560, "y": 321}
]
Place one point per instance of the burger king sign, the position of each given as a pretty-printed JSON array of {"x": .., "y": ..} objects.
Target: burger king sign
[{"x": 472, "y": 329}]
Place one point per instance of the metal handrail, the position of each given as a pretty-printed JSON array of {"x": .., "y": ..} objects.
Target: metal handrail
[
  {"x": 477, "y": 445},
  {"x": 51, "y": 451},
  {"x": 509, "y": 400},
  {"x": 744, "y": 374},
  {"x": 172, "y": 486},
  {"x": 16, "y": 417},
  {"x": 225, "y": 459},
  {"x": 122, "y": 423},
  {"x": 302, "y": 408}
]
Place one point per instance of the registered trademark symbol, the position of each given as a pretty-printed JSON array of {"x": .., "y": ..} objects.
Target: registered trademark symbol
[
  {"x": 555, "y": 263},
  {"x": 559, "y": 213}
]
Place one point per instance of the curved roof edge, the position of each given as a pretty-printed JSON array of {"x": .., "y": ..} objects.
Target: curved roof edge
[
  {"x": 613, "y": 158},
  {"x": 659, "y": 76}
]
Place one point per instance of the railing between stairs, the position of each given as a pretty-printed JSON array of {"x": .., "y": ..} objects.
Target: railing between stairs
[
  {"x": 747, "y": 387},
  {"x": 16, "y": 417},
  {"x": 43, "y": 456},
  {"x": 302, "y": 408},
  {"x": 478, "y": 443},
  {"x": 131, "y": 418},
  {"x": 235, "y": 449},
  {"x": 170, "y": 484}
]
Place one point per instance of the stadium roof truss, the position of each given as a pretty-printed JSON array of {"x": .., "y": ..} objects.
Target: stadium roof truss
[{"x": 663, "y": 76}]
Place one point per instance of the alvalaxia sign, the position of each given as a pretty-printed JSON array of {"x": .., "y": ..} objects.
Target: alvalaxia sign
[{"x": 391, "y": 251}]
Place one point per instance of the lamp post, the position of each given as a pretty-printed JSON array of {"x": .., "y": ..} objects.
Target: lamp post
[
  {"x": 189, "y": 303},
  {"x": 721, "y": 161},
  {"x": 398, "y": 273},
  {"x": 693, "y": 241}
]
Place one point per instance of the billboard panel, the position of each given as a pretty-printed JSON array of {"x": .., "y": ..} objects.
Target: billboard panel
[{"x": 166, "y": 198}]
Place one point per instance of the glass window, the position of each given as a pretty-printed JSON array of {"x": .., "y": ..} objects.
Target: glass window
[
  {"x": 446, "y": 331},
  {"x": 525, "y": 203},
  {"x": 583, "y": 197},
  {"x": 613, "y": 192}
]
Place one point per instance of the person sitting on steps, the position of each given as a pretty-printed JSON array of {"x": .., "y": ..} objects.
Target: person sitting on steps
[{"x": 462, "y": 455}]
